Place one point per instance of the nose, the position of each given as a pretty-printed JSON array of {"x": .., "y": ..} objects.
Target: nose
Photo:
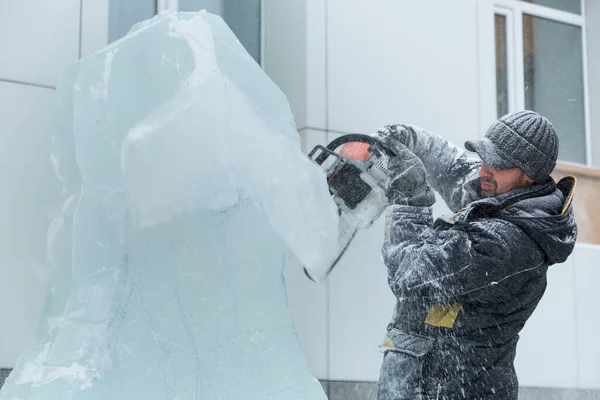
[{"x": 485, "y": 171}]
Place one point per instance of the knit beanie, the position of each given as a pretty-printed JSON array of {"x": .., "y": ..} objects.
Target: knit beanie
[{"x": 522, "y": 139}]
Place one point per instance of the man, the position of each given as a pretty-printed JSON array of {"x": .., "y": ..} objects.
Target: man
[{"x": 466, "y": 284}]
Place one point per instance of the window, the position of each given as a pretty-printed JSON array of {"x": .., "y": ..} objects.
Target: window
[
  {"x": 502, "y": 101},
  {"x": 540, "y": 66},
  {"x": 123, "y": 14},
  {"x": 242, "y": 16},
  {"x": 572, "y": 6}
]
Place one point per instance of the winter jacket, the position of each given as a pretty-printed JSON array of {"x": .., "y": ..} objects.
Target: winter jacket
[{"x": 467, "y": 283}]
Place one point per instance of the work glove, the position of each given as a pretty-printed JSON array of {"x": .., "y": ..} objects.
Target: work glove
[
  {"x": 398, "y": 132},
  {"x": 409, "y": 178}
]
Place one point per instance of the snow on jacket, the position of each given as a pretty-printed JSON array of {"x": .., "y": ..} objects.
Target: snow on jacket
[{"x": 466, "y": 284}]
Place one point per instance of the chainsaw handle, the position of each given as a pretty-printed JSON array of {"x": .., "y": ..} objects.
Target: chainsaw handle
[
  {"x": 349, "y": 138},
  {"x": 323, "y": 155}
]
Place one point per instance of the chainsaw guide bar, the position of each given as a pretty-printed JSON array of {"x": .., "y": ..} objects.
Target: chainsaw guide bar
[{"x": 358, "y": 181}]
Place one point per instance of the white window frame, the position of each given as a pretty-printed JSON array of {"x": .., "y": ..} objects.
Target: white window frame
[
  {"x": 173, "y": 5},
  {"x": 513, "y": 11},
  {"x": 166, "y": 5}
]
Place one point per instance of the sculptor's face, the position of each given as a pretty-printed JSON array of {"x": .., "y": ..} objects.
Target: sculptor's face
[{"x": 499, "y": 181}]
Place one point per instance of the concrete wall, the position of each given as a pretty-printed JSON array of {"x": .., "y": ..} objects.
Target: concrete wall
[{"x": 430, "y": 63}]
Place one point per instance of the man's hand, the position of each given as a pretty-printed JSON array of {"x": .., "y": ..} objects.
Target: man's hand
[
  {"x": 409, "y": 184},
  {"x": 397, "y": 132}
]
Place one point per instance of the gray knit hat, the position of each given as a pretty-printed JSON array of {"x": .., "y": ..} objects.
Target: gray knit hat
[{"x": 523, "y": 139}]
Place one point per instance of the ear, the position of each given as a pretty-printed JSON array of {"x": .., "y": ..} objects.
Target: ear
[{"x": 525, "y": 179}]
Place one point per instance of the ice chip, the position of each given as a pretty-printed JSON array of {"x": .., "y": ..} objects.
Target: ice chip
[{"x": 185, "y": 190}]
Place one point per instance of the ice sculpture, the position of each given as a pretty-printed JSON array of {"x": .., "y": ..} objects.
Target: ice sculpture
[{"x": 185, "y": 190}]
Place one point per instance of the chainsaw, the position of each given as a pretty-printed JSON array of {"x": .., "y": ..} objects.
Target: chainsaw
[{"x": 358, "y": 180}]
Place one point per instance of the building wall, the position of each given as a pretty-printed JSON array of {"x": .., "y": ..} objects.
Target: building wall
[
  {"x": 35, "y": 58},
  {"x": 38, "y": 46},
  {"x": 429, "y": 63}
]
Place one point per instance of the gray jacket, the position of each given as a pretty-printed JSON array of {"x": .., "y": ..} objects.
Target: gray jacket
[{"x": 466, "y": 284}]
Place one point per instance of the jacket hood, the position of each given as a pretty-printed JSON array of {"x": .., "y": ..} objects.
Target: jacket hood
[{"x": 544, "y": 211}]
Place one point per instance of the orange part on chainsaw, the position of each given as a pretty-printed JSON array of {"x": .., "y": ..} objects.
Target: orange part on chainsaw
[{"x": 356, "y": 151}]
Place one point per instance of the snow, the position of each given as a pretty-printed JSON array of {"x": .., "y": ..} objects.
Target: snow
[{"x": 185, "y": 192}]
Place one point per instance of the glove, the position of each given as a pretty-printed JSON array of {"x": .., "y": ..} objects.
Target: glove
[
  {"x": 397, "y": 132},
  {"x": 409, "y": 183}
]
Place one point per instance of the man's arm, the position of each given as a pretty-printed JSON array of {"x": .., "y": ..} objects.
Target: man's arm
[
  {"x": 448, "y": 167},
  {"x": 454, "y": 265}
]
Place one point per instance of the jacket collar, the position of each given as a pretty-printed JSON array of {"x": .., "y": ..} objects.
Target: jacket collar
[{"x": 490, "y": 206}]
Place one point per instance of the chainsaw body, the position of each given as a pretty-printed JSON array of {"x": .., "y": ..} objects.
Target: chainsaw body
[
  {"x": 358, "y": 180},
  {"x": 357, "y": 176}
]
